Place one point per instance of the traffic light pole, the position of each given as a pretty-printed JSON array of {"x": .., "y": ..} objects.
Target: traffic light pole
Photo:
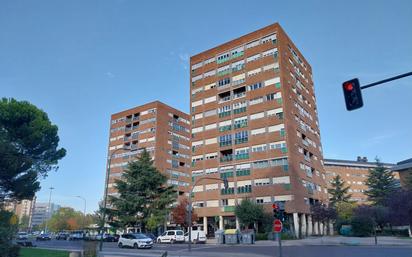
[
  {"x": 280, "y": 243},
  {"x": 387, "y": 80}
]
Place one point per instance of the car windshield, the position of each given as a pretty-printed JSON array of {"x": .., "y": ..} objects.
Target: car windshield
[
  {"x": 179, "y": 233},
  {"x": 140, "y": 236}
]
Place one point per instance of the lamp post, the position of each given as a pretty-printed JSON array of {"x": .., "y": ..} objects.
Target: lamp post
[
  {"x": 225, "y": 182},
  {"x": 84, "y": 211},
  {"x": 105, "y": 195},
  {"x": 49, "y": 210}
]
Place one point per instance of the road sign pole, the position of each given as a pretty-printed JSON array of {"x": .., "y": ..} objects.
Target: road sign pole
[{"x": 280, "y": 244}]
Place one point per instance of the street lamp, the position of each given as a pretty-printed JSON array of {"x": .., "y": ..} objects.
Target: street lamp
[
  {"x": 226, "y": 185},
  {"x": 84, "y": 210},
  {"x": 105, "y": 194},
  {"x": 49, "y": 210}
]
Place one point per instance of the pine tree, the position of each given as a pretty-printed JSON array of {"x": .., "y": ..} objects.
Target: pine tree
[
  {"x": 143, "y": 195},
  {"x": 381, "y": 183},
  {"x": 338, "y": 191}
]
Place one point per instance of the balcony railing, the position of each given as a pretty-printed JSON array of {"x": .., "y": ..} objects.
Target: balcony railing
[
  {"x": 226, "y": 158},
  {"x": 224, "y": 114},
  {"x": 225, "y": 143},
  {"x": 128, "y": 119},
  {"x": 225, "y": 128},
  {"x": 242, "y": 156},
  {"x": 239, "y": 110},
  {"x": 241, "y": 140},
  {"x": 240, "y": 125}
]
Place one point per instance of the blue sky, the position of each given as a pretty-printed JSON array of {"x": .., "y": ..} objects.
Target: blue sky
[{"x": 80, "y": 61}]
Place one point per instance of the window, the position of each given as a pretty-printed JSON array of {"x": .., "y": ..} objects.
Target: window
[
  {"x": 241, "y": 137},
  {"x": 253, "y": 58},
  {"x": 256, "y": 100},
  {"x": 259, "y": 148},
  {"x": 210, "y": 113},
  {"x": 252, "y": 44},
  {"x": 273, "y": 96},
  {"x": 254, "y": 72},
  {"x": 255, "y": 86},
  {"x": 223, "y": 82}
]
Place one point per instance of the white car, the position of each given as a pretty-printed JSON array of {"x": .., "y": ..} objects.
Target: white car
[
  {"x": 22, "y": 236},
  {"x": 171, "y": 236},
  {"x": 135, "y": 241},
  {"x": 198, "y": 236}
]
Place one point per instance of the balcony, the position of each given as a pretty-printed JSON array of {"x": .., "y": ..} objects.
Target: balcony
[
  {"x": 245, "y": 172},
  {"x": 126, "y": 138},
  {"x": 225, "y": 143},
  {"x": 238, "y": 82},
  {"x": 128, "y": 120},
  {"x": 236, "y": 55},
  {"x": 244, "y": 189},
  {"x": 239, "y": 110},
  {"x": 226, "y": 175},
  {"x": 242, "y": 156},
  {"x": 305, "y": 142},
  {"x": 307, "y": 158},
  {"x": 224, "y": 114},
  {"x": 226, "y": 158},
  {"x": 229, "y": 191},
  {"x": 224, "y": 99},
  {"x": 136, "y": 118},
  {"x": 135, "y": 127},
  {"x": 240, "y": 95},
  {"x": 135, "y": 136},
  {"x": 127, "y": 128},
  {"x": 224, "y": 72},
  {"x": 228, "y": 208},
  {"x": 241, "y": 140},
  {"x": 225, "y": 128},
  {"x": 240, "y": 125}
]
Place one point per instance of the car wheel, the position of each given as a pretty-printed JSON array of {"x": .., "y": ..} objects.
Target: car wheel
[
  {"x": 159, "y": 241},
  {"x": 120, "y": 245},
  {"x": 172, "y": 241},
  {"x": 136, "y": 246}
]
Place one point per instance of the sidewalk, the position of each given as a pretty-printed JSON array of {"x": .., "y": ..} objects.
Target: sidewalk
[{"x": 341, "y": 240}]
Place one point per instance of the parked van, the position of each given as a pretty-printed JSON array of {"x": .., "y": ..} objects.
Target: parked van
[{"x": 198, "y": 236}]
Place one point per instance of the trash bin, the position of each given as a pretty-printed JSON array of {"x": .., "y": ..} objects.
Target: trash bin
[
  {"x": 232, "y": 236},
  {"x": 220, "y": 236},
  {"x": 248, "y": 236}
]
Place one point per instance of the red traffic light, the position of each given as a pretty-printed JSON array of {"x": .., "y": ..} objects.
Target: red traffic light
[{"x": 348, "y": 86}]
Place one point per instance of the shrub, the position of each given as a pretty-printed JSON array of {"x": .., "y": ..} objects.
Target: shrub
[
  {"x": 261, "y": 236},
  {"x": 8, "y": 228},
  {"x": 362, "y": 226}
]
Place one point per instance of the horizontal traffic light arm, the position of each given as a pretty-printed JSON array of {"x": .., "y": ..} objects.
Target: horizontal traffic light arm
[{"x": 387, "y": 80}]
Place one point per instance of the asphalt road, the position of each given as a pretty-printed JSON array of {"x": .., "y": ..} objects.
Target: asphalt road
[{"x": 111, "y": 250}]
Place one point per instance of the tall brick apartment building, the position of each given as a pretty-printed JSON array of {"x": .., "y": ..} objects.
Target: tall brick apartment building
[
  {"x": 161, "y": 130},
  {"x": 254, "y": 121}
]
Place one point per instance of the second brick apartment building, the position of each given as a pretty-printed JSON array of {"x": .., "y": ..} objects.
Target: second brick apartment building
[
  {"x": 163, "y": 131},
  {"x": 255, "y": 122}
]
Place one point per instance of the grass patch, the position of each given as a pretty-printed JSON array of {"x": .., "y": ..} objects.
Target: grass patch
[{"x": 34, "y": 252}]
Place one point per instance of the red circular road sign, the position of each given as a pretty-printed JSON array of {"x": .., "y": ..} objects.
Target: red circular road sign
[{"x": 277, "y": 226}]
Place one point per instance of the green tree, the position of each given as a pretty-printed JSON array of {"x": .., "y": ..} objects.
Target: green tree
[
  {"x": 143, "y": 194},
  {"x": 249, "y": 213},
  {"x": 28, "y": 149},
  {"x": 338, "y": 191},
  {"x": 8, "y": 228},
  {"x": 381, "y": 183}
]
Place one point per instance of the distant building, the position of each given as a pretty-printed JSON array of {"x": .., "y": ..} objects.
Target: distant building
[
  {"x": 42, "y": 213},
  {"x": 404, "y": 168},
  {"x": 22, "y": 208},
  {"x": 354, "y": 174}
]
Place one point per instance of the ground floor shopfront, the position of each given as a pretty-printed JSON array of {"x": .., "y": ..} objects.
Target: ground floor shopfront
[{"x": 297, "y": 224}]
